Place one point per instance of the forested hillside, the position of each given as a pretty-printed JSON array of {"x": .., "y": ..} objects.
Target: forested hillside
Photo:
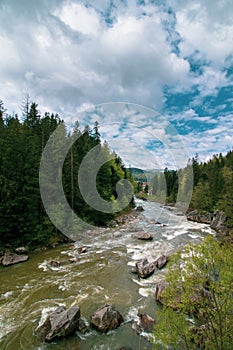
[
  {"x": 213, "y": 185},
  {"x": 23, "y": 219}
]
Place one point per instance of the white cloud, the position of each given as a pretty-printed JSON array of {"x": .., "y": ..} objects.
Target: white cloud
[
  {"x": 217, "y": 130},
  {"x": 70, "y": 54},
  {"x": 68, "y": 58},
  {"x": 211, "y": 81},
  {"x": 80, "y": 18},
  {"x": 216, "y": 140},
  {"x": 202, "y": 28},
  {"x": 140, "y": 136}
]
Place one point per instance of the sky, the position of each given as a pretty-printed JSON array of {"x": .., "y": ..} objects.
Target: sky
[{"x": 156, "y": 75}]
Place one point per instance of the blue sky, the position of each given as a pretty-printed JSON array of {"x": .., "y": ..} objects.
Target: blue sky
[{"x": 174, "y": 56}]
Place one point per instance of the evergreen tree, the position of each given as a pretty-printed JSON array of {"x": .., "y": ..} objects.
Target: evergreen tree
[{"x": 196, "y": 169}]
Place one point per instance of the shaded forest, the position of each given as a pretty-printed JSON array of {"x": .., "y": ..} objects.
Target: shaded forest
[{"x": 23, "y": 220}]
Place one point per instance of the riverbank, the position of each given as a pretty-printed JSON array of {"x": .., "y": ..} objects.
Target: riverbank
[
  {"x": 216, "y": 219},
  {"x": 100, "y": 274},
  {"x": 217, "y": 222},
  {"x": 53, "y": 241},
  {"x": 10, "y": 255}
]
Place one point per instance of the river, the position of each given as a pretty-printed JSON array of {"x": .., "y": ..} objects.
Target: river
[{"x": 29, "y": 291}]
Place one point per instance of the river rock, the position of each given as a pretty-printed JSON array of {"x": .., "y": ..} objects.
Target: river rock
[
  {"x": 106, "y": 318},
  {"x": 139, "y": 208},
  {"x": 12, "y": 258},
  {"x": 21, "y": 250},
  {"x": 215, "y": 220},
  {"x": 161, "y": 261},
  {"x": 54, "y": 263},
  {"x": 202, "y": 217},
  {"x": 145, "y": 236},
  {"x": 159, "y": 289},
  {"x": 144, "y": 268},
  {"x": 82, "y": 250},
  {"x": 146, "y": 324},
  {"x": 60, "y": 323},
  {"x": 218, "y": 221},
  {"x": 117, "y": 234},
  {"x": 134, "y": 270},
  {"x": 174, "y": 304}
]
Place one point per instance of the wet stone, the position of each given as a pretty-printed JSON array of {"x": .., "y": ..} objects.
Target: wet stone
[{"x": 106, "y": 318}]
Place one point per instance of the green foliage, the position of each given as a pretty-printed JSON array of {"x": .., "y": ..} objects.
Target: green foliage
[
  {"x": 198, "y": 299},
  {"x": 225, "y": 202},
  {"x": 109, "y": 174},
  {"x": 165, "y": 185},
  {"x": 23, "y": 219},
  {"x": 201, "y": 196},
  {"x": 138, "y": 174},
  {"x": 212, "y": 185},
  {"x": 146, "y": 189}
]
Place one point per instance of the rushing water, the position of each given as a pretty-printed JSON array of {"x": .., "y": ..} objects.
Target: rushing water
[{"x": 29, "y": 291}]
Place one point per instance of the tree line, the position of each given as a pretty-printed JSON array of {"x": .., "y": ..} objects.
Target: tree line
[
  {"x": 23, "y": 219},
  {"x": 212, "y": 184}
]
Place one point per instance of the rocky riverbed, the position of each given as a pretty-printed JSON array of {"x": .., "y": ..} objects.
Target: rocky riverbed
[{"x": 90, "y": 274}]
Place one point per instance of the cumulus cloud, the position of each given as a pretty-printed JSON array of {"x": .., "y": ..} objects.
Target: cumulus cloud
[
  {"x": 142, "y": 137},
  {"x": 206, "y": 26},
  {"x": 80, "y": 18},
  {"x": 70, "y": 55}
]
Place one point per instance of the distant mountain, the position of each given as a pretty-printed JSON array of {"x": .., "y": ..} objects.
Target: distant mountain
[
  {"x": 138, "y": 174},
  {"x": 136, "y": 171},
  {"x": 143, "y": 175}
]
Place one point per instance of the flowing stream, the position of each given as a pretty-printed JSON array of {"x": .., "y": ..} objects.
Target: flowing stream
[{"x": 29, "y": 291}]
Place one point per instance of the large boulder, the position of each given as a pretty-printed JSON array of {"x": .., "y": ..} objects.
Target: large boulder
[
  {"x": 144, "y": 268},
  {"x": 12, "y": 258},
  {"x": 161, "y": 261},
  {"x": 218, "y": 223},
  {"x": 60, "y": 323},
  {"x": 106, "y": 318},
  {"x": 202, "y": 217},
  {"x": 142, "y": 235},
  {"x": 216, "y": 220},
  {"x": 175, "y": 303}
]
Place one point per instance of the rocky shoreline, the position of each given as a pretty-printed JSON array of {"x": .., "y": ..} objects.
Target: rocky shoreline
[
  {"x": 10, "y": 256},
  {"x": 62, "y": 322},
  {"x": 216, "y": 220}
]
